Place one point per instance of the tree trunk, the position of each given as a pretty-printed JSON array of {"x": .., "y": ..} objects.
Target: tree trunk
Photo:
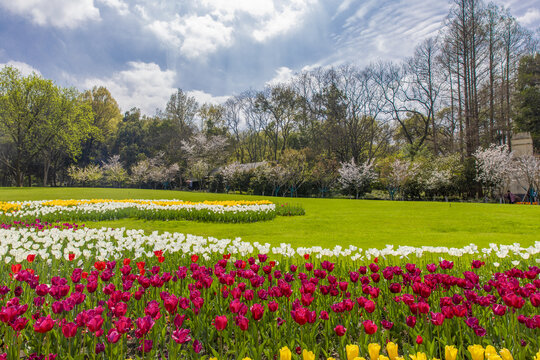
[{"x": 46, "y": 167}]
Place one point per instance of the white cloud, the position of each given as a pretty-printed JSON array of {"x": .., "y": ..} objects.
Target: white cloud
[
  {"x": 385, "y": 30},
  {"x": 24, "y": 68},
  {"x": 195, "y": 36},
  {"x": 142, "y": 85},
  {"x": 345, "y": 5},
  {"x": 530, "y": 17},
  {"x": 58, "y": 13},
  {"x": 142, "y": 12},
  {"x": 283, "y": 20},
  {"x": 203, "y": 97},
  {"x": 226, "y": 10},
  {"x": 118, "y": 5},
  {"x": 283, "y": 75}
]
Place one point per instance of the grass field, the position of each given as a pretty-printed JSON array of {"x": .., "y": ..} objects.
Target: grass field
[{"x": 330, "y": 222}]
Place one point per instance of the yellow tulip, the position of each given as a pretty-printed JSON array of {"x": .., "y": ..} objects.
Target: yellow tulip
[
  {"x": 359, "y": 358},
  {"x": 450, "y": 352},
  {"x": 352, "y": 351},
  {"x": 214, "y": 358},
  {"x": 308, "y": 355},
  {"x": 435, "y": 359},
  {"x": 285, "y": 353},
  {"x": 537, "y": 356},
  {"x": 477, "y": 352},
  {"x": 246, "y": 358},
  {"x": 494, "y": 357},
  {"x": 419, "y": 356},
  {"x": 506, "y": 355},
  {"x": 490, "y": 350},
  {"x": 382, "y": 357},
  {"x": 373, "y": 350},
  {"x": 331, "y": 358},
  {"x": 392, "y": 350}
]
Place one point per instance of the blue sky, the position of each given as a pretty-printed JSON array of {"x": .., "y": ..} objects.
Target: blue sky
[{"x": 142, "y": 50}]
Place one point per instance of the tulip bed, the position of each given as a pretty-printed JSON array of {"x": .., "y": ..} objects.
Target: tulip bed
[
  {"x": 102, "y": 209},
  {"x": 71, "y": 292}
]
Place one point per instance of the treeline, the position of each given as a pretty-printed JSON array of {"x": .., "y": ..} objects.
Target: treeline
[{"x": 472, "y": 85}]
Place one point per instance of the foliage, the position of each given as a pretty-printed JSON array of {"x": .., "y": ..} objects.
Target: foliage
[
  {"x": 288, "y": 209},
  {"x": 528, "y": 97}
]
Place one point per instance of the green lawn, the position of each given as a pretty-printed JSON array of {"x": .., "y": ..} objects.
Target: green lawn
[{"x": 330, "y": 222}]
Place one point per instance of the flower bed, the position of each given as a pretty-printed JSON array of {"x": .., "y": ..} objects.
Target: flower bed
[
  {"x": 103, "y": 209},
  {"x": 83, "y": 293}
]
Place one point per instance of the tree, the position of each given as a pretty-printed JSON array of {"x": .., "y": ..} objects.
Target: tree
[
  {"x": 182, "y": 109},
  {"x": 130, "y": 138},
  {"x": 210, "y": 149},
  {"x": 114, "y": 171},
  {"x": 325, "y": 174},
  {"x": 281, "y": 104},
  {"x": 295, "y": 164},
  {"x": 528, "y": 97},
  {"x": 105, "y": 121},
  {"x": 494, "y": 167},
  {"x": 230, "y": 174},
  {"x": 528, "y": 169},
  {"x": 354, "y": 178},
  {"x": 89, "y": 175},
  {"x": 397, "y": 173},
  {"x": 68, "y": 128},
  {"x": 28, "y": 124},
  {"x": 212, "y": 119},
  {"x": 154, "y": 171}
]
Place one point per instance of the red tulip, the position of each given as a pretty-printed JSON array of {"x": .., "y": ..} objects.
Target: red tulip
[
  {"x": 71, "y": 257},
  {"x": 144, "y": 325},
  {"x": 340, "y": 330},
  {"x": 370, "y": 327},
  {"x": 69, "y": 330},
  {"x": 220, "y": 322},
  {"x": 30, "y": 258},
  {"x": 95, "y": 323},
  {"x": 419, "y": 340},
  {"x": 181, "y": 336},
  {"x": 437, "y": 319},
  {"x": 535, "y": 299},
  {"x": 369, "y": 306},
  {"x": 194, "y": 258},
  {"x": 411, "y": 321},
  {"x": 257, "y": 311},
  {"x": 43, "y": 324},
  {"x": 242, "y": 322},
  {"x": 498, "y": 309},
  {"x": 113, "y": 336},
  {"x": 16, "y": 268}
]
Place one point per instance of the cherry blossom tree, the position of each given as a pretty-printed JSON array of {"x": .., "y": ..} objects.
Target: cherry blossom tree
[
  {"x": 398, "y": 173},
  {"x": 494, "y": 168},
  {"x": 356, "y": 178},
  {"x": 114, "y": 171},
  {"x": 528, "y": 170}
]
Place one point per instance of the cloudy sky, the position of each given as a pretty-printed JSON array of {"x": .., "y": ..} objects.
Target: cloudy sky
[{"x": 142, "y": 50}]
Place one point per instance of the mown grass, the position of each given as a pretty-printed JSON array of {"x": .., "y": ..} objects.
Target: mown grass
[{"x": 331, "y": 222}]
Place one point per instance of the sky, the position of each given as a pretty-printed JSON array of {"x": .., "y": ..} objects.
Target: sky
[{"x": 143, "y": 50}]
